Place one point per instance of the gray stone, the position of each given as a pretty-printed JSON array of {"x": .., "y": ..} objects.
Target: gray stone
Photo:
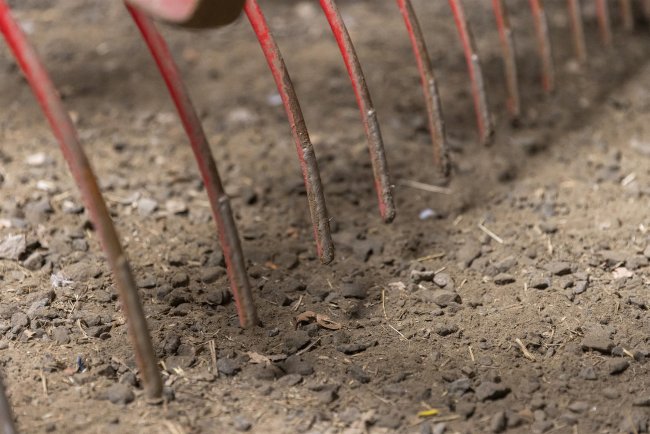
[
  {"x": 499, "y": 422},
  {"x": 120, "y": 394},
  {"x": 467, "y": 253},
  {"x": 597, "y": 340},
  {"x": 19, "y": 320},
  {"x": 616, "y": 367},
  {"x": 444, "y": 297},
  {"x": 13, "y": 246},
  {"x": 61, "y": 335},
  {"x": 504, "y": 279},
  {"x": 353, "y": 290},
  {"x": 228, "y": 366},
  {"x": 559, "y": 268},
  {"x": 212, "y": 274},
  {"x": 444, "y": 280},
  {"x": 489, "y": 390},
  {"x": 242, "y": 424},
  {"x": 540, "y": 282},
  {"x": 147, "y": 206},
  {"x": 579, "y": 406}
]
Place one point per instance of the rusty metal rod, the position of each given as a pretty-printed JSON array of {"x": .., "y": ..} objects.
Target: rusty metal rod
[
  {"x": 483, "y": 117},
  {"x": 304, "y": 147},
  {"x": 429, "y": 88},
  {"x": 577, "y": 30},
  {"x": 627, "y": 14},
  {"x": 219, "y": 201},
  {"x": 7, "y": 425},
  {"x": 368, "y": 114},
  {"x": 509, "y": 59},
  {"x": 82, "y": 173},
  {"x": 544, "y": 45},
  {"x": 604, "y": 23}
]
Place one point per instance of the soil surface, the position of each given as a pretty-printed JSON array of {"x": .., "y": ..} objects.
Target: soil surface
[{"x": 516, "y": 301}]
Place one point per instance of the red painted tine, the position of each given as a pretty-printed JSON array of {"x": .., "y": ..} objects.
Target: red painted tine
[
  {"x": 7, "y": 425},
  {"x": 544, "y": 44},
  {"x": 509, "y": 59},
  {"x": 83, "y": 175},
  {"x": 604, "y": 24},
  {"x": 484, "y": 120},
  {"x": 575, "y": 13},
  {"x": 219, "y": 201},
  {"x": 306, "y": 154},
  {"x": 627, "y": 14},
  {"x": 368, "y": 113},
  {"x": 429, "y": 87}
]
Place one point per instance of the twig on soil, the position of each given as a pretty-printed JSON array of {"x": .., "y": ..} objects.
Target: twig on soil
[
  {"x": 425, "y": 187},
  {"x": 383, "y": 302},
  {"x": 295, "y": 308},
  {"x": 549, "y": 245},
  {"x": 471, "y": 354},
  {"x": 81, "y": 328},
  {"x": 525, "y": 351},
  {"x": 489, "y": 233},
  {"x": 308, "y": 347},
  {"x": 44, "y": 383},
  {"x": 430, "y": 257},
  {"x": 173, "y": 427},
  {"x": 398, "y": 332},
  {"x": 213, "y": 357}
]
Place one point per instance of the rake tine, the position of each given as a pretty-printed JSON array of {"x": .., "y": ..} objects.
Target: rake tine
[
  {"x": 219, "y": 201},
  {"x": 304, "y": 147},
  {"x": 429, "y": 87},
  {"x": 509, "y": 60},
  {"x": 627, "y": 15},
  {"x": 85, "y": 179},
  {"x": 484, "y": 120},
  {"x": 575, "y": 12},
  {"x": 604, "y": 24},
  {"x": 368, "y": 113},
  {"x": 544, "y": 44},
  {"x": 7, "y": 425}
]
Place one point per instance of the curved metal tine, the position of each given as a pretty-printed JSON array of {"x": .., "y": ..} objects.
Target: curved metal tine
[
  {"x": 219, "y": 201},
  {"x": 627, "y": 14},
  {"x": 304, "y": 147},
  {"x": 509, "y": 58},
  {"x": 85, "y": 179},
  {"x": 429, "y": 88},
  {"x": 544, "y": 45},
  {"x": 484, "y": 119},
  {"x": 604, "y": 23},
  {"x": 7, "y": 425},
  {"x": 368, "y": 113},
  {"x": 577, "y": 29}
]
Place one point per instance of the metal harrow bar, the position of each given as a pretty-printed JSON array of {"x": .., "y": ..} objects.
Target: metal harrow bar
[{"x": 206, "y": 13}]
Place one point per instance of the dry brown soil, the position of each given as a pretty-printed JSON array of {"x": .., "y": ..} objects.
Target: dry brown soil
[{"x": 435, "y": 312}]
